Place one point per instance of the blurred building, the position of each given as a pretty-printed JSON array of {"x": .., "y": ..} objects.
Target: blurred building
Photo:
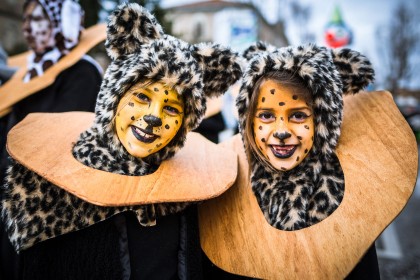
[
  {"x": 11, "y": 36},
  {"x": 230, "y": 23}
]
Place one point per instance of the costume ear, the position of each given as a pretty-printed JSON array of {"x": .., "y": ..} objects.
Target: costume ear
[
  {"x": 129, "y": 27},
  {"x": 258, "y": 48},
  {"x": 220, "y": 66},
  {"x": 355, "y": 70}
]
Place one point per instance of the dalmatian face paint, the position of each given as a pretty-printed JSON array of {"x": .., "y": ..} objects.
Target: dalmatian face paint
[
  {"x": 37, "y": 28},
  {"x": 148, "y": 118},
  {"x": 283, "y": 125}
]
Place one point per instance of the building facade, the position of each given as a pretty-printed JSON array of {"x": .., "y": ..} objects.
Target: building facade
[{"x": 236, "y": 24}]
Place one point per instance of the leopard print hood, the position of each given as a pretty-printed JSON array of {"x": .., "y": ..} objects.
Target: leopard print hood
[
  {"x": 141, "y": 51},
  {"x": 311, "y": 191},
  {"x": 34, "y": 210}
]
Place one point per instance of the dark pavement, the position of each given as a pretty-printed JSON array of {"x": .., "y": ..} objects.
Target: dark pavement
[{"x": 399, "y": 245}]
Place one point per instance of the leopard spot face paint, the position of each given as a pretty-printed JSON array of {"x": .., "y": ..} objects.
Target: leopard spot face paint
[
  {"x": 149, "y": 117},
  {"x": 284, "y": 134}
]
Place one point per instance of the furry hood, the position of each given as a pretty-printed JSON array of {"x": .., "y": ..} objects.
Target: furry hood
[
  {"x": 141, "y": 51},
  {"x": 66, "y": 17},
  {"x": 312, "y": 190},
  {"x": 329, "y": 74}
]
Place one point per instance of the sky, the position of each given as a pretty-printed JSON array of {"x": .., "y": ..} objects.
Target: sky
[{"x": 362, "y": 16}]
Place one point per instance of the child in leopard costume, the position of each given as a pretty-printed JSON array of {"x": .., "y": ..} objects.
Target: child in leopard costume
[
  {"x": 295, "y": 173},
  {"x": 62, "y": 236}
]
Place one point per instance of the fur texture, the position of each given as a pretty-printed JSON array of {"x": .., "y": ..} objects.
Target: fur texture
[
  {"x": 35, "y": 210},
  {"x": 310, "y": 192}
]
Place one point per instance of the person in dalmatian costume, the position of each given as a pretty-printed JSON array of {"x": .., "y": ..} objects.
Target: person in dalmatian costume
[{"x": 153, "y": 93}]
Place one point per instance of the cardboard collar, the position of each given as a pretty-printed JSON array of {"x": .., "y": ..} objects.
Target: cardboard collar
[
  {"x": 43, "y": 143},
  {"x": 378, "y": 153},
  {"x": 15, "y": 89}
]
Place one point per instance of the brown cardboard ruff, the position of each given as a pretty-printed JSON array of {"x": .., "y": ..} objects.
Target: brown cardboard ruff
[
  {"x": 378, "y": 153},
  {"x": 15, "y": 89},
  {"x": 43, "y": 142}
]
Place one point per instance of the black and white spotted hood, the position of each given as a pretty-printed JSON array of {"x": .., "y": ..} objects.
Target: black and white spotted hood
[
  {"x": 328, "y": 73},
  {"x": 34, "y": 209},
  {"x": 141, "y": 51},
  {"x": 292, "y": 199}
]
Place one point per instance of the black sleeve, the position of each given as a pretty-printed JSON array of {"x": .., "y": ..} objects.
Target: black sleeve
[
  {"x": 211, "y": 127},
  {"x": 77, "y": 88}
]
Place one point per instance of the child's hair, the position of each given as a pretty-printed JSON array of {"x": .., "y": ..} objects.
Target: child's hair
[{"x": 286, "y": 79}]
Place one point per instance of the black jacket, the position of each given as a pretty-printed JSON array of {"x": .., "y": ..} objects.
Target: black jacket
[
  {"x": 75, "y": 89},
  {"x": 119, "y": 248}
]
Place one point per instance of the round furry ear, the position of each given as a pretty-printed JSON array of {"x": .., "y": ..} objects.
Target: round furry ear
[
  {"x": 258, "y": 48},
  {"x": 355, "y": 70},
  {"x": 220, "y": 65},
  {"x": 129, "y": 27}
]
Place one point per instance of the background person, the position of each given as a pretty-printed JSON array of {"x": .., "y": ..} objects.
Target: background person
[{"x": 52, "y": 30}]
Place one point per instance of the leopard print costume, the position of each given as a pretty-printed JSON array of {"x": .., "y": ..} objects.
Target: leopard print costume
[
  {"x": 310, "y": 192},
  {"x": 35, "y": 210}
]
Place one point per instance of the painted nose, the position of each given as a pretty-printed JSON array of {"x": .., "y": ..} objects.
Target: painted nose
[
  {"x": 152, "y": 120},
  {"x": 282, "y": 135}
]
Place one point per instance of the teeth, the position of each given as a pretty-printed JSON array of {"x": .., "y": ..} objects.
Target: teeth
[
  {"x": 283, "y": 149},
  {"x": 142, "y": 134}
]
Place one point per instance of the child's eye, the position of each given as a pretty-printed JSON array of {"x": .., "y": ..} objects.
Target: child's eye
[
  {"x": 298, "y": 116},
  {"x": 143, "y": 97},
  {"x": 171, "y": 110},
  {"x": 266, "y": 116}
]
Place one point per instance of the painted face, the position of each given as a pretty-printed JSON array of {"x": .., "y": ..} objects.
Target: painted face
[
  {"x": 37, "y": 28},
  {"x": 283, "y": 126},
  {"x": 148, "y": 118}
]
